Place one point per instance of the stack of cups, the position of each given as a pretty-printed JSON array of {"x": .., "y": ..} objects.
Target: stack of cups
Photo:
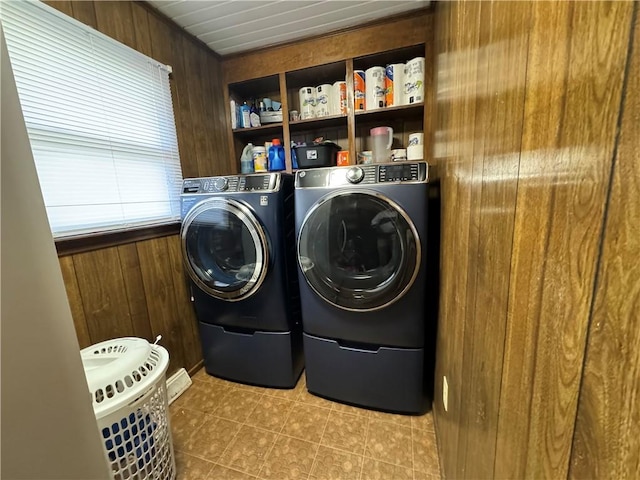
[
  {"x": 374, "y": 87},
  {"x": 307, "y": 102},
  {"x": 415, "y": 149}
]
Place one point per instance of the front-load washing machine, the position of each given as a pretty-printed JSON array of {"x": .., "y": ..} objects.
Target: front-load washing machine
[
  {"x": 362, "y": 256},
  {"x": 238, "y": 248}
]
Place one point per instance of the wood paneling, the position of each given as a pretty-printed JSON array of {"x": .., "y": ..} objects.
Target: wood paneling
[
  {"x": 85, "y": 12},
  {"x": 219, "y": 127},
  {"x": 480, "y": 158},
  {"x": 157, "y": 276},
  {"x": 528, "y": 98},
  {"x": 497, "y": 139},
  {"x": 116, "y": 20},
  {"x": 330, "y": 48},
  {"x": 606, "y": 441},
  {"x": 136, "y": 296},
  {"x": 186, "y": 313},
  {"x": 167, "y": 48},
  {"x": 568, "y": 144},
  {"x": 457, "y": 67},
  {"x": 196, "y": 92},
  {"x": 428, "y": 123},
  {"x": 62, "y": 5},
  {"x": 90, "y": 242},
  {"x": 142, "y": 29},
  {"x": 103, "y": 293},
  {"x": 138, "y": 289},
  {"x": 75, "y": 301}
]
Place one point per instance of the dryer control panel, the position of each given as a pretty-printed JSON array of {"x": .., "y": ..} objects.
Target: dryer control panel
[
  {"x": 406, "y": 172},
  {"x": 268, "y": 182}
]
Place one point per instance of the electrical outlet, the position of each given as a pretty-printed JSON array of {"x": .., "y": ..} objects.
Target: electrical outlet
[{"x": 445, "y": 393}]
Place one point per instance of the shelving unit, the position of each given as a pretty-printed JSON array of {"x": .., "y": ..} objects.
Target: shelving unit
[
  {"x": 328, "y": 122},
  {"x": 360, "y": 49},
  {"x": 268, "y": 128}
]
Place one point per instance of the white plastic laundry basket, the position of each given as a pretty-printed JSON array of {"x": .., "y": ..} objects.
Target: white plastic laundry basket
[{"x": 126, "y": 378}]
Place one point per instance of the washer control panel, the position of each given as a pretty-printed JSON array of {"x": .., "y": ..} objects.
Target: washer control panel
[
  {"x": 369, "y": 174},
  {"x": 268, "y": 182},
  {"x": 404, "y": 172}
]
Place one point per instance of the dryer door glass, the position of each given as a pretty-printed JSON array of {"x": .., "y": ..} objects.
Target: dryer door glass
[
  {"x": 358, "y": 250},
  {"x": 225, "y": 249}
]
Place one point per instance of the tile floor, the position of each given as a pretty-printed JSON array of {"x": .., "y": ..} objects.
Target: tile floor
[{"x": 228, "y": 431}]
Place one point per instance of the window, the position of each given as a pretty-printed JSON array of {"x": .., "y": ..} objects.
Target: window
[{"x": 100, "y": 121}]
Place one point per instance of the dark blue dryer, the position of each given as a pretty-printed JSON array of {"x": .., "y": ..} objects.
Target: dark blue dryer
[
  {"x": 238, "y": 248},
  {"x": 362, "y": 250}
]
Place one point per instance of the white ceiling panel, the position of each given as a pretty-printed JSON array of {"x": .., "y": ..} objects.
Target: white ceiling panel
[
  {"x": 293, "y": 30},
  {"x": 225, "y": 14},
  {"x": 284, "y": 22},
  {"x": 234, "y": 26},
  {"x": 255, "y": 19},
  {"x": 174, "y": 9}
]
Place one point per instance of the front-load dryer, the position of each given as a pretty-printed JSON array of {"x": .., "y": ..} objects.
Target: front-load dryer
[
  {"x": 238, "y": 248},
  {"x": 362, "y": 249}
]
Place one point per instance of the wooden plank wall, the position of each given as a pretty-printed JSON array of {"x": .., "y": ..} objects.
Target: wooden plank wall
[
  {"x": 139, "y": 289},
  {"x": 528, "y": 99},
  {"x": 606, "y": 441}
]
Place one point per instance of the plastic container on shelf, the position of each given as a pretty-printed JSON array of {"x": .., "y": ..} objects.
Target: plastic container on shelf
[
  {"x": 245, "y": 116},
  {"x": 246, "y": 159},
  {"x": 381, "y": 142},
  {"x": 260, "y": 159},
  {"x": 126, "y": 379},
  {"x": 276, "y": 156},
  {"x": 294, "y": 156},
  {"x": 318, "y": 155}
]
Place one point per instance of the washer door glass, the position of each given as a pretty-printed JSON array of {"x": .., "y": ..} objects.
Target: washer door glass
[
  {"x": 358, "y": 250},
  {"x": 225, "y": 249}
]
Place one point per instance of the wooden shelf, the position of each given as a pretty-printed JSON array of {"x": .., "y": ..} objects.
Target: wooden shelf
[
  {"x": 261, "y": 130},
  {"x": 350, "y": 131},
  {"x": 399, "y": 55},
  {"x": 316, "y": 123},
  {"x": 256, "y": 88},
  {"x": 317, "y": 75},
  {"x": 390, "y": 113}
]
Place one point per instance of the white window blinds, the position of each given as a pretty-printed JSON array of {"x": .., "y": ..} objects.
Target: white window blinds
[{"x": 100, "y": 120}]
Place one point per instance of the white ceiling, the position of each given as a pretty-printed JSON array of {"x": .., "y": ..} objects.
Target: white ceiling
[{"x": 239, "y": 25}]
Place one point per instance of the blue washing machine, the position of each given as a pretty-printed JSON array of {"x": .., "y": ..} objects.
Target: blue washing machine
[
  {"x": 362, "y": 262},
  {"x": 238, "y": 247}
]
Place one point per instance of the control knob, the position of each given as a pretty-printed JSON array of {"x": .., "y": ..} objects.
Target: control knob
[
  {"x": 221, "y": 184},
  {"x": 355, "y": 174}
]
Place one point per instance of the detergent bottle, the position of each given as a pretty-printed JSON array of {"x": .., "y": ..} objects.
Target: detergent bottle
[
  {"x": 294, "y": 156},
  {"x": 245, "y": 116},
  {"x": 276, "y": 156},
  {"x": 246, "y": 159}
]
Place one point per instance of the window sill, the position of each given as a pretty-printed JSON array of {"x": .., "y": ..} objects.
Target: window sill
[{"x": 87, "y": 243}]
